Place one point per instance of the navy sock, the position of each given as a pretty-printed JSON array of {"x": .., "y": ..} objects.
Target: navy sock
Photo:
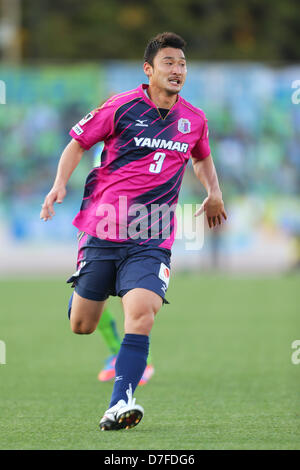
[{"x": 130, "y": 365}]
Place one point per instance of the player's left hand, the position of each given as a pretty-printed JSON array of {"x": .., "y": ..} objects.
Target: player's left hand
[
  {"x": 57, "y": 194},
  {"x": 213, "y": 206}
]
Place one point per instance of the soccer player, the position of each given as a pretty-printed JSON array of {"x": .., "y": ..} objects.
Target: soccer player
[{"x": 127, "y": 218}]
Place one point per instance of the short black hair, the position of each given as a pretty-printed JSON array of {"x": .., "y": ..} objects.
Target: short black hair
[{"x": 161, "y": 41}]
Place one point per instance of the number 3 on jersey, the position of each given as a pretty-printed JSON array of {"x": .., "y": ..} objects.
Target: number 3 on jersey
[{"x": 157, "y": 166}]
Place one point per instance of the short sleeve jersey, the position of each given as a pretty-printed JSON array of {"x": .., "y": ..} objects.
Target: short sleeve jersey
[{"x": 131, "y": 197}]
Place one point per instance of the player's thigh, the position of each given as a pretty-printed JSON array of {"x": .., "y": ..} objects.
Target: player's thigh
[
  {"x": 94, "y": 282},
  {"x": 85, "y": 314},
  {"x": 142, "y": 284},
  {"x": 140, "y": 307}
]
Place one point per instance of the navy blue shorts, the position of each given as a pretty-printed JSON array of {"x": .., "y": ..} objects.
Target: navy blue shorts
[{"x": 108, "y": 268}]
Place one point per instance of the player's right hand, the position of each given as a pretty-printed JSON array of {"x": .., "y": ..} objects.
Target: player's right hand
[{"x": 57, "y": 194}]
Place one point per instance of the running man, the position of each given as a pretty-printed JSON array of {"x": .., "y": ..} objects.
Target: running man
[{"x": 127, "y": 218}]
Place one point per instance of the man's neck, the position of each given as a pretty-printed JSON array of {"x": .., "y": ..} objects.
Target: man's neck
[{"x": 160, "y": 98}]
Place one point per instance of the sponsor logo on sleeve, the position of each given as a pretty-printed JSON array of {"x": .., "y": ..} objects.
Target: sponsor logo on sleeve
[
  {"x": 77, "y": 129},
  {"x": 86, "y": 118},
  {"x": 184, "y": 126}
]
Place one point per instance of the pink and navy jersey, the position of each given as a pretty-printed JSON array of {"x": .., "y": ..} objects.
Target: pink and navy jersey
[{"x": 132, "y": 195}]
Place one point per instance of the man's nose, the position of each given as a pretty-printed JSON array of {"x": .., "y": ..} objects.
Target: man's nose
[{"x": 176, "y": 68}]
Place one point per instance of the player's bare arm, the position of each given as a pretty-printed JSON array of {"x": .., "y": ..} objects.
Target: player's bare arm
[
  {"x": 213, "y": 205},
  {"x": 69, "y": 160}
]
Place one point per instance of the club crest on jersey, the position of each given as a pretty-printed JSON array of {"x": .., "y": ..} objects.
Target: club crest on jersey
[{"x": 184, "y": 126}]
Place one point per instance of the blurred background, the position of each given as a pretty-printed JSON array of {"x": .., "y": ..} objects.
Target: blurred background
[
  {"x": 225, "y": 343},
  {"x": 61, "y": 58}
]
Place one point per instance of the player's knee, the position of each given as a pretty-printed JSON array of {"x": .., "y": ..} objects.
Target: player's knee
[
  {"x": 145, "y": 321},
  {"x": 82, "y": 328},
  {"x": 140, "y": 322}
]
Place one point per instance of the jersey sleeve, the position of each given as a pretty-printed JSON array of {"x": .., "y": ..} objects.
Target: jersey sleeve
[
  {"x": 202, "y": 148},
  {"x": 96, "y": 126}
]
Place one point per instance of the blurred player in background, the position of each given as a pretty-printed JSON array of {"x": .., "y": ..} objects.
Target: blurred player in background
[{"x": 150, "y": 133}]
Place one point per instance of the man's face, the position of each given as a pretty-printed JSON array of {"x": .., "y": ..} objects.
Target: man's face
[{"x": 168, "y": 72}]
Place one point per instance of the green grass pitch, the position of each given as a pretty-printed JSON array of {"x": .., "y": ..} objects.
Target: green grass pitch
[{"x": 222, "y": 352}]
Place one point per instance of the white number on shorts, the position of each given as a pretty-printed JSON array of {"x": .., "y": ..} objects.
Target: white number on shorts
[{"x": 159, "y": 159}]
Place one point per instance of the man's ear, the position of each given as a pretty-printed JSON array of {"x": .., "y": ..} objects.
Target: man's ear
[{"x": 148, "y": 69}]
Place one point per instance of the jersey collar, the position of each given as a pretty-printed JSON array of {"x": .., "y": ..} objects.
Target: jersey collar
[{"x": 143, "y": 91}]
